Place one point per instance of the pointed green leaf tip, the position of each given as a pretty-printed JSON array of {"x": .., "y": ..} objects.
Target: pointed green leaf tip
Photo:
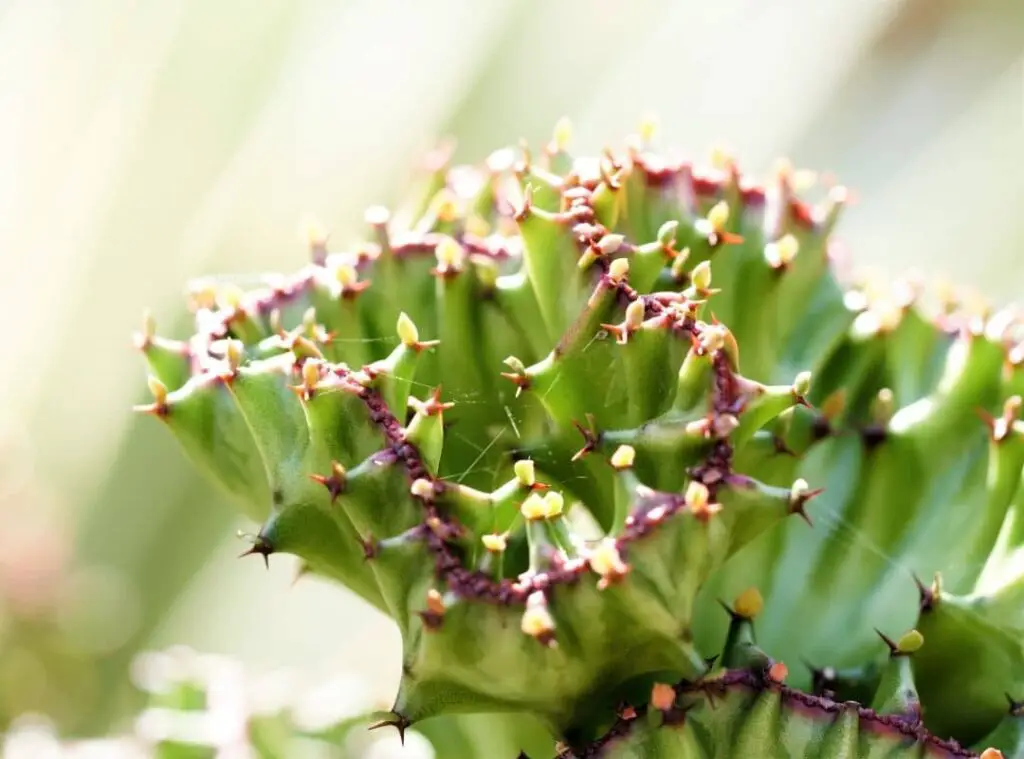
[{"x": 555, "y": 536}]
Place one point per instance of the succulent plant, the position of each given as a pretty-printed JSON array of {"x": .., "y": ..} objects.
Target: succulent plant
[{"x": 555, "y": 412}]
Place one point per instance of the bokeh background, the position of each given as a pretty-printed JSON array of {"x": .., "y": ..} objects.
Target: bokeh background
[{"x": 146, "y": 143}]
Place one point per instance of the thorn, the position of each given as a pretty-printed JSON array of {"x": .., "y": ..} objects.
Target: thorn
[
  {"x": 893, "y": 648},
  {"x": 620, "y": 334},
  {"x": 433, "y": 405},
  {"x": 800, "y": 497},
  {"x": 610, "y": 175},
  {"x": 261, "y": 546},
  {"x": 729, "y": 610},
  {"x": 1000, "y": 427},
  {"x": 518, "y": 374},
  {"x": 144, "y": 337},
  {"x": 399, "y": 722},
  {"x": 781, "y": 448},
  {"x": 591, "y": 438},
  {"x": 986, "y": 417},
  {"x": 276, "y": 326},
  {"x": 822, "y": 678},
  {"x": 928, "y": 596},
  {"x": 924, "y": 594},
  {"x": 1016, "y": 707},
  {"x": 524, "y": 211},
  {"x": 335, "y": 482},
  {"x": 159, "y": 407}
]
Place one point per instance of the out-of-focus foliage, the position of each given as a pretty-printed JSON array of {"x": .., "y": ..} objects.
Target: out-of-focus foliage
[{"x": 202, "y": 706}]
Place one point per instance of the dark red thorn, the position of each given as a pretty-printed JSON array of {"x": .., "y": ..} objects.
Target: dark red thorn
[
  {"x": 893, "y": 648},
  {"x": 262, "y": 547},
  {"x": 400, "y": 723},
  {"x": 433, "y": 405},
  {"x": 799, "y": 507},
  {"x": 334, "y": 486},
  {"x": 925, "y": 594},
  {"x": 521, "y": 381},
  {"x": 729, "y": 238},
  {"x": 591, "y": 438}
]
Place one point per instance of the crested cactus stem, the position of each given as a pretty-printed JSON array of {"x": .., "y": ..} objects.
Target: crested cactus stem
[{"x": 550, "y": 495}]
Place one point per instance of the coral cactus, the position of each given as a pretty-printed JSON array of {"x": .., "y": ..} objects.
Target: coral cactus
[{"x": 556, "y": 410}]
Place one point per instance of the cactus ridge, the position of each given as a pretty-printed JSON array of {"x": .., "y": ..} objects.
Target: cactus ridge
[
  {"x": 743, "y": 682},
  {"x": 553, "y": 538}
]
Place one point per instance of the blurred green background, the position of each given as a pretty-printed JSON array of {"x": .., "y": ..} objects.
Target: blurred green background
[{"x": 146, "y": 143}]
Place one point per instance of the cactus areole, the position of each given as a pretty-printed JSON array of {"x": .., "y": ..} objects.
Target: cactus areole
[{"x": 615, "y": 441}]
